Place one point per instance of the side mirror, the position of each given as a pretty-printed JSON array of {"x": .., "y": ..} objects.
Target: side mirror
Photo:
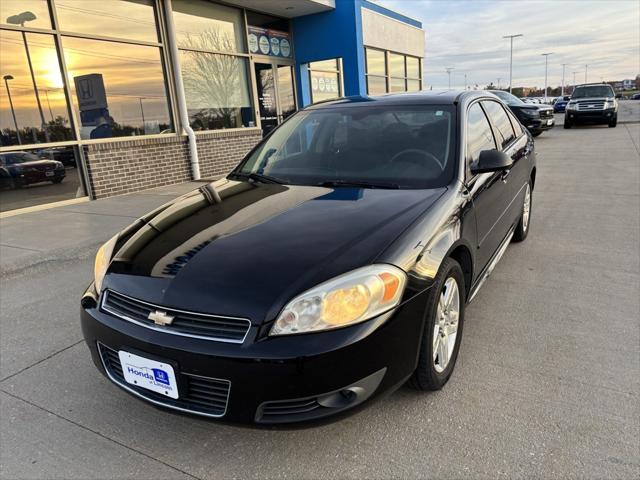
[{"x": 492, "y": 161}]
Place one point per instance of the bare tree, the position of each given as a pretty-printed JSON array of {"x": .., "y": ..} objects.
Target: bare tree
[{"x": 212, "y": 81}]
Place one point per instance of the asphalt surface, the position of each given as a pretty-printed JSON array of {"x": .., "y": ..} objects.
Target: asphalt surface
[{"x": 547, "y": 384}]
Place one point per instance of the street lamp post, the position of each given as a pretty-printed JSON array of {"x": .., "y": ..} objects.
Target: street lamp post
[
  {"x": 449, "y": 70},
  {"x": 6, "y": 79},
  {"x": 21, "y": 19},
  {"x": 546, "y": 63},
  {"x": 563, "y": 67},
  {"x": 511, "y": 37},
  {"x": 586, "y": 70}
]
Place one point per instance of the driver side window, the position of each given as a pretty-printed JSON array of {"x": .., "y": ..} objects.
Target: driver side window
[{"x": 479, "y": 134}]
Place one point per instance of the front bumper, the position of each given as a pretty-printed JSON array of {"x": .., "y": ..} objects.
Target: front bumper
[
  {"x": 591, "y": 116},
  {"x": 285, "y": 379},
  {"x": 539, "y": 125}
]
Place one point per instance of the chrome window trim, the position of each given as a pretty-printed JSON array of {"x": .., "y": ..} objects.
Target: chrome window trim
[
  {"x": 162, "y": 329},
  {"x": 126, "y": 387}
]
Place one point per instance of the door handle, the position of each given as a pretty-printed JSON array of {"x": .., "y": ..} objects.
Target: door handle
[{"x": 505, "y": 175}]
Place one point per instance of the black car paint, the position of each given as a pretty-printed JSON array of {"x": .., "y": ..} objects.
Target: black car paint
[
  {"x": 253, "y": 250},
  {"x": 31, "y": 169},
  {"x": 533, "y": 117}
]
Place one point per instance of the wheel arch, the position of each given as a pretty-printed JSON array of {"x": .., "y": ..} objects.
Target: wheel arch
[
  {"x": 461, "y": 253},
  {"x": 533, "y": 178}
]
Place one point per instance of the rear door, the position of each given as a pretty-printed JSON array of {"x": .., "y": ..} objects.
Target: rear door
[{"x": 490, "y": 191}]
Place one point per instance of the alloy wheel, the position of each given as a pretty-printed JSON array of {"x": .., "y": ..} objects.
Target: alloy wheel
[
  {"x": 446, "y": 324},
  {"x": 526, "y": 208}
]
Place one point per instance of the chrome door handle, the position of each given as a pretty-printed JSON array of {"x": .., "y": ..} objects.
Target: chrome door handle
[{"x": 505, "y": 175}]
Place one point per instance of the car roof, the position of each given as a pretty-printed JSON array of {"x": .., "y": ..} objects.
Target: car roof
[{"x": 448, "y": 97}]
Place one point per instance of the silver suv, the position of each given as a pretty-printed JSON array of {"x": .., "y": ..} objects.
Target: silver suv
[{"x": 592, "y": 103}]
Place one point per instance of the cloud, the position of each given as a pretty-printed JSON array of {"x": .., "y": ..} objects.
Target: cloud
[{"x": 467, "y": 35}]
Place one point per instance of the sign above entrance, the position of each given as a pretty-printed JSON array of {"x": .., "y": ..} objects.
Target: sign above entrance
[{"x": 263, "y": 41}]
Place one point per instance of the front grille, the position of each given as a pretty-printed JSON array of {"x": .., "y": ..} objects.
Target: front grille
[
  {"x": 544, "y": 114},
  {"x": 199, "y": 325},
  {"x": 200, "y": 395},
  {"x": 586, "y": 106}
]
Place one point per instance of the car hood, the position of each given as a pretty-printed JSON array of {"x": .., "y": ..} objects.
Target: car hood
[
  {"x": 259, "y": 245},
  {"x": 38, "y": 164}
]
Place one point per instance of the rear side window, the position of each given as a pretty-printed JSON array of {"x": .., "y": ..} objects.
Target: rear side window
[
  {"x": 479, "y": 134},
  {"x": 515, "y": 124},
  {"x": 501, "y": 121}
]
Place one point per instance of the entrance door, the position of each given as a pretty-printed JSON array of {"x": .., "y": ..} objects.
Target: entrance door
[{"x": 276, "y": 94}]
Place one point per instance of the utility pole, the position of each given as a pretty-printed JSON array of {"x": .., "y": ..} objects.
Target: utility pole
[
  {"x": 511, "y": 37},
  {"x": 449, "y": 70},
  {"x": 563, "y": 67},
  {"x": 6, "y": 79},
  {"x": 586, "y": 70},
  {"x": 546, "y": 63}
]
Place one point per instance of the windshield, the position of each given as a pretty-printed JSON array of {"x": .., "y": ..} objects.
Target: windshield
[
  {"x": 403, "y": 146},
  {"x": 594, "y": 91},
  {"x": 507, "y": 98}
]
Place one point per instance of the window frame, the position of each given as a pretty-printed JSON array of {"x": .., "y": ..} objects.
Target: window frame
[
  {"x": 338, "y": 71},
  {"x": 495, "y": 128},
  {"x": 388, "y": 77},
  {"x": 467, "y": 165}
]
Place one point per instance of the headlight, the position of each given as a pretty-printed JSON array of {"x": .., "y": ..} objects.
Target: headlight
[
  {"x": 531, "y": 113},
  {"x": 609, "y": 104},
  {"x": 345, "y": 300},
  {"x": 103, "y": 259},
  {"x": 572, "y": 106}
]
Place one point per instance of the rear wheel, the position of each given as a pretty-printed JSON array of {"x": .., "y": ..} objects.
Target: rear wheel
[
  {"x": 443, "y": 328},
  {"x": 522, "y": 230}
]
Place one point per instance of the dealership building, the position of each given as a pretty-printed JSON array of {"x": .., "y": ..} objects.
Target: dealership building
[{"x": 101, "y": 98}]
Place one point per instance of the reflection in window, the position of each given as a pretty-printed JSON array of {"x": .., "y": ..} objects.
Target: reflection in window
[
  {"x": 118, "y": 88},
  {"x": 376, "y": 85},
  {"x": 217, "y": 90},
  {"x": 204, "y": 25},
  {"x": 392, "y": 72},
  {"x": 33, "y": 108},
  {"x": 324, "y": 77},
  {"x": 131, "y": 19},
  {"x": 50, "y": 173},
  {"x": 375, "y": 62},
  {"x": 26, "y": 13}
]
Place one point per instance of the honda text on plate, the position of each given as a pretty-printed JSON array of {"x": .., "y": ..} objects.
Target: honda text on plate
[{"x": 332, "y": 265}]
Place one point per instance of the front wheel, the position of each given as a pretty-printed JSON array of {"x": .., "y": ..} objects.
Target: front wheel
[
  {"x": 536, "y": 134},
  {"x": 443, "y": 328},
  {"x": 567, "y": 124},
  {"x": 522, "y": 230},
  {"x": 613, "y": 123}
]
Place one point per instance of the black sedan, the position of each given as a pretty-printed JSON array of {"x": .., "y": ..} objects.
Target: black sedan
[
  {"x": 19, "y": 169},
  {"x": 537, "y": 118},
  {"x": 332, "y": 264}
]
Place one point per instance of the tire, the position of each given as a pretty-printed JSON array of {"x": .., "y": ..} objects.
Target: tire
[
  {"x": 613, "y": 123},
  {"x": 537, "y": 134},
  {"x": 57, "y": 180},
  {"x": 567, "y": 125},
  {"x": 524, "y": 225},
  {"x": 429, "y": 374}
]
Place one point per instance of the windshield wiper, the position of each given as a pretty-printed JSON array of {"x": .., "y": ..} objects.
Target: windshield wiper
[
  {"x": 257, "y": 177},
  {"x": 356, "y": 183}
]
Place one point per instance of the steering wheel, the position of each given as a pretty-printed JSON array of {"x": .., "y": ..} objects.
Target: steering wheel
[{"x": 421, "y": 152}]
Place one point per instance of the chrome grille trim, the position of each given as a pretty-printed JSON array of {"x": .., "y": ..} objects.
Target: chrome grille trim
[
  {"x": 585, "y": 106},
  {"x": 109, "y": 368},
  {"x": 110, "y": 309}
]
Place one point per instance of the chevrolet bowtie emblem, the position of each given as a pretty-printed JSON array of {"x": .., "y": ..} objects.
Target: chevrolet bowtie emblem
[{"x": 160, "y": 318}]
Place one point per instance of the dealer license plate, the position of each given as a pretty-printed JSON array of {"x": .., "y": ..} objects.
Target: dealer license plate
[
  {"x": 48, "y": 174},
  {"x": 150, "y": 374}
]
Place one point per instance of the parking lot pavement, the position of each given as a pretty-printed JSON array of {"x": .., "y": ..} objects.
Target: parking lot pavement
[{"x": 547, "y": 384}]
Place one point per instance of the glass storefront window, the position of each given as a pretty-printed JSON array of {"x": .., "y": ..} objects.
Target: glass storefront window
[
  {"x": 130, "y": 19},
  {"x": 217, "y": 90},
  {"x": 33, "y": 107},
  {"x": 413, "y": 67},
  {"x": 324, "y": 77},
  {"x": 202, "y": 25},
  {"x": 413, "y": 85},
  {"x": 35, "y": 176},
  {"x": 376, "y": 64},
  {"x": 376, "y": 85},
  {"x": 118, "y": 89},
  {"x": 396, "y": 85},
  {"x": 396, "y": 65},
  {"x": 26, "y": 13}
]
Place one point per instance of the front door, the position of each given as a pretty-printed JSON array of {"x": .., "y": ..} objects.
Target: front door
[{"x": 276, "y": 94}]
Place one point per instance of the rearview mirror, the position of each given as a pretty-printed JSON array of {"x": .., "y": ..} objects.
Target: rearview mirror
[{"x": 492, "y": 161}]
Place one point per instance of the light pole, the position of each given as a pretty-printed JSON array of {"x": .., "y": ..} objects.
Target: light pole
[
  {"x": 499, "y": 83},
  {"x": 142, "y": 111},
  {"x": 21, "y": 19},
  {"x": 6, "y": 79},
  {"x": 586, "y": 70},
  {"x": 546, "y": 63},
  {"x": 511, "y": 37},
  {"x": 563, "y": 67},
  {"x": 449, "y": 70}
]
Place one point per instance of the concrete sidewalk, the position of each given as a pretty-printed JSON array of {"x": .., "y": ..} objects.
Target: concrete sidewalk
[{"x": 75, "y": 231}]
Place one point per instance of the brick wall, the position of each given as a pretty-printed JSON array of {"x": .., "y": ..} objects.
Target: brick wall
[{"x": 131, "y": 165}]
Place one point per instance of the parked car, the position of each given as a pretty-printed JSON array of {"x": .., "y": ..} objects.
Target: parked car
[
  {"x": 560, "y": 104},
  {"x": 331, "y": 265},
  {"x": 635, "y": 96},
  {"x": 593, "y": 103},
  {"x": 64, "y": 155},
  {"x": 18, "y": 169},
  {"x": 537, "y": 118}
]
